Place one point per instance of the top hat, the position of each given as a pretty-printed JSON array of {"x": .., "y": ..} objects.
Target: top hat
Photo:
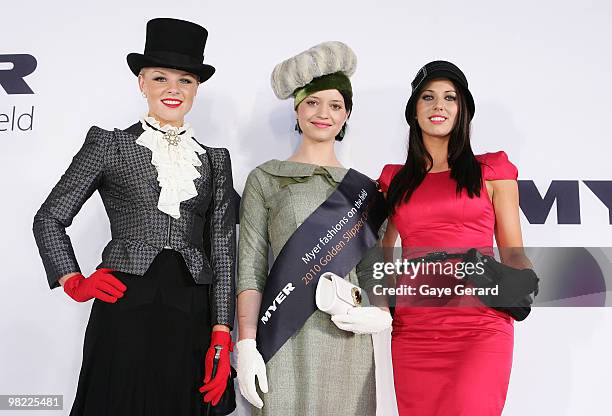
[
  {"x": 173, "y": 43},
  {"x": 439, "y": 69}
]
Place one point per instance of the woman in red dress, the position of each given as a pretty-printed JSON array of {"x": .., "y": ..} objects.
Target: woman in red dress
[{"x": 450, "y": 360}]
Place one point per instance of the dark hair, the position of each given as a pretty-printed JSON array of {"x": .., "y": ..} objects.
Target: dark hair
[
  {"x": 348, "y": 104},
  {"x": 465, "y": 169}
]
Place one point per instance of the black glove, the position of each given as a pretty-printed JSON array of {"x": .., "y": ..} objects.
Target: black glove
[{"x": 517, "y": 287}]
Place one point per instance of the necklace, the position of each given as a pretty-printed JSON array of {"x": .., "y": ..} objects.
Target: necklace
[{"x": 171, "y": 136}]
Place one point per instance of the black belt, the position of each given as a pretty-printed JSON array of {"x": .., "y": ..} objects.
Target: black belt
[{"x": 517, "y": 287}]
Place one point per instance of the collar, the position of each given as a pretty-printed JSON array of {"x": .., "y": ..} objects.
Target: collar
[
  {"x": 290, "y": 169},
  {"x": 135, "y": 129}
]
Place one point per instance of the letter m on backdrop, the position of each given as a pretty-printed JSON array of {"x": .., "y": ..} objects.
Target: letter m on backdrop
[
  {"x": 13, "y": 69},
  {"x": 536, "y": 208}
]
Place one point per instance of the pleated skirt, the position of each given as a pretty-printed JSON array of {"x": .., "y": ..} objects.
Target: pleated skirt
[{"x": 144, "y": 355}]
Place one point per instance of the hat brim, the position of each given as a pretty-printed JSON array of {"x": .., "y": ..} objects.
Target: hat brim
[
  {"x": 436, "y": 75},
  {"x": 137, "y": 61}
]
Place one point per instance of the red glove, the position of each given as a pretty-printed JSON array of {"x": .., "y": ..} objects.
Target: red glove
[
  {"x": 214, "y": 388},
  {"x": 100, "y": 285}
]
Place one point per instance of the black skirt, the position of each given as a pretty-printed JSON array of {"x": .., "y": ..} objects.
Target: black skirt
[{"x": 144, "y": 354}]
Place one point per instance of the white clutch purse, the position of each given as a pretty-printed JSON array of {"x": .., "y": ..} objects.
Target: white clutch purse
[{"x": 335, "y": 295}]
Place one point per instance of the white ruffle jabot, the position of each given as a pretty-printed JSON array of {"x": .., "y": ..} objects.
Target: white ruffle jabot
[{"x": 175, "y": 164}]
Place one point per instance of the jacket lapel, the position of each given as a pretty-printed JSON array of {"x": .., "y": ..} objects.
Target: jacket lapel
[{"x": 137, "y": 157}]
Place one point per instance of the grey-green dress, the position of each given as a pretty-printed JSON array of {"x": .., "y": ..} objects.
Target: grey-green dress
[{"x": 321, "y": 369}]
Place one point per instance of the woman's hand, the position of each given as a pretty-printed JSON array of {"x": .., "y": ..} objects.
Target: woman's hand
[
  {"x": 251, "y": 366},
  {"x": 250, "y": 362},
  {"x": 365, "y": 320},
  {"x": 100, "y": 285},
  {"x": 214, "y": 387}
]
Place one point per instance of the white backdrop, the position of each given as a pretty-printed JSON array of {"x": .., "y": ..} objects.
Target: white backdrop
[{"x": 539, "y": 73}]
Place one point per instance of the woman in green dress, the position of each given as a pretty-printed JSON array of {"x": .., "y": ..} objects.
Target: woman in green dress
[{"x": 321, "y": 369}]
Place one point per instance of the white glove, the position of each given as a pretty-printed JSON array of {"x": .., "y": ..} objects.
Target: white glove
[
  {"x": 251, "y": 365},
  {"x": 366, "y": 320}
]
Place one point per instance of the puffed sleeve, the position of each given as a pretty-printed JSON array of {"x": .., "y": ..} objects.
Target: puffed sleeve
[
  {"x": 75, "y": 187},
  {"x": 496, "y": 166},
  {"x": 223, "y": 240},
  {"x": 386, "y": 176},
  {"x": 253, "y": 241}
]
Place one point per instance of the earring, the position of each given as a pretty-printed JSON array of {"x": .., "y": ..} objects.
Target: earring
[
  {"x": 143, "y": 94},
  {"x": 297, "y": 127},
  {"x": 342, "y": 131}
]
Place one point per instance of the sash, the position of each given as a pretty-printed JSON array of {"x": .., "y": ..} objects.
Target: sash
[{"x": 333, "y": 238}]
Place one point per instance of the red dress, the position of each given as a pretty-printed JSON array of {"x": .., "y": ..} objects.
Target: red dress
[{"x": 450, "y": 361}]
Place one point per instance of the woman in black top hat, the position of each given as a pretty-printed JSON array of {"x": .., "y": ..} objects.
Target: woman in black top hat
[{"x": 164, "y": 292}]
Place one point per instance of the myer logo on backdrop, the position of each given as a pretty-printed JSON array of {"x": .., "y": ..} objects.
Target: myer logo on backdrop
[
  {"x": 13, "y": 70},
  {"x": 566, "y": 193}
]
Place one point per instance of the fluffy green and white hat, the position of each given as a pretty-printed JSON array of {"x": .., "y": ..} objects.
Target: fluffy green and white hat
[{"x": 327, "y": 65}]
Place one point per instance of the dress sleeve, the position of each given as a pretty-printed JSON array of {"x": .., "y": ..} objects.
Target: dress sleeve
[
  {"x": 253, "y": 241},
  {"x": 496, "y": 166},
  {"x": 223, "y": 240},
  {"x": 64, "y": 202},
  {"x": 386, "y": 176}
]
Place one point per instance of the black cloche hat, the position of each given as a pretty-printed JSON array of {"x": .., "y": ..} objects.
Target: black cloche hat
[
  {"x": 173, "y": 43},
  {"x": 439, "y": 69}
]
